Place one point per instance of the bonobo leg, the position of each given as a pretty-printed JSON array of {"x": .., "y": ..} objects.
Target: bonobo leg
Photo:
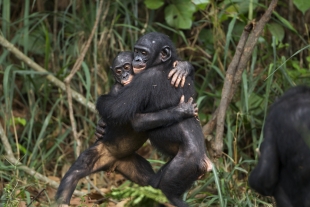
[
  {"x": 97, "y": 158},
  {"x": 179, "y": 174},
  {"x": 88, "y": 162},
  {"x": 135, "y": 168}
]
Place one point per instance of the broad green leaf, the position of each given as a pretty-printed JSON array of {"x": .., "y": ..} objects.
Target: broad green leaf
[
  {"x": 179, "y": 14},
  {"x": 276, "y": 30},
  {"x": 154, "y": 4},
  {"x": 302, "y": 5},
  {"x": 201, "y": 4},
  {"x": 240, "y": 7}
]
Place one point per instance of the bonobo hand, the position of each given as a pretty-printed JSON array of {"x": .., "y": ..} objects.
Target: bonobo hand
[
  {"x": 189, "y": 109},
  {"x": 179, "y": 73},
  {"x": 100, "y": 129}
]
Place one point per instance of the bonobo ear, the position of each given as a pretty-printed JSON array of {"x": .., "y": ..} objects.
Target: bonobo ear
[{"x": 165, "y": 53}]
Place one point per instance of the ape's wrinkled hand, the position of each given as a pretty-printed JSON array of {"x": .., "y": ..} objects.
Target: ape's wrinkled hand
[
  {"x": 189, "y": 108},
  {"x": 100, "y": 129},
  {"x": 179, "y": 73}
]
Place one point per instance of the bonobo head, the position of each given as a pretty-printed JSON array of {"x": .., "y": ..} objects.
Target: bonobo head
[
  {"x": 122, "y": 68},
  {"x": 153, "y": 49}
]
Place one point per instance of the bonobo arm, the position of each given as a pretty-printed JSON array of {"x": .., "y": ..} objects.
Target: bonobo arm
[
  {"x": 130, "y": 100},
  {"x": 264, "y": 177},
  {"x": 115, "y": 89},
  {"x": 147, "y": 121},
  {"x": 165, "y": 117},
  {"x": 181, "y": 70}
]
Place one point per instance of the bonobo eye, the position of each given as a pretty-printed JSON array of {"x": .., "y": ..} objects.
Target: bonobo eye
[
  {"x": 118, "y": 72},
  {"x": 135, "y": 50},
  {"x": 144, "y": 52},
  {"x": 127, "y": 67}
]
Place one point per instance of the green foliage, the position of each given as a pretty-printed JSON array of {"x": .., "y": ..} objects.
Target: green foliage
[
  {"x": 139, "y": 196},
  {"x": 13, "y": 193},
  {"x": 302, "y": 5},
  {"x": 151, "y": 4},
  {"x": 178, "y": 13},
  {"x": 277, "y": 31}
]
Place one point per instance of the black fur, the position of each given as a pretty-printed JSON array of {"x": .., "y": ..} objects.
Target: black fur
[
  {"x": 115, "y": 148},
  {"x": 151, "y": 91},
  {"x": 283, "y": 169}
]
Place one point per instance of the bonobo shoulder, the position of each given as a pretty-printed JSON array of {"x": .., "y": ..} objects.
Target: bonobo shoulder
[{"x": 145, "y": 78}]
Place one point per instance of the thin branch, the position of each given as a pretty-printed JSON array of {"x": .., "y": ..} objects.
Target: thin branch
[
  {"x": 11, "y": 158},
  {"x": 75, "y": 68},
  {"x": 217, "y": 145},
  {"x": 75, "y": 95},
  {"x": 233, "y": 77}
]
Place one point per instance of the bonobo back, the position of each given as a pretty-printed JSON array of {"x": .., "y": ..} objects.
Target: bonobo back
[{"x": 283, "y": 168}]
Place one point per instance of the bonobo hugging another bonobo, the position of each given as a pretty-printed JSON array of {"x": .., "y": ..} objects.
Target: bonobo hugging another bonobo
[
  {"x": 283, "y": 169},
  {"x": 150, "y": 91},
  {"x": 116, "y": 149}
]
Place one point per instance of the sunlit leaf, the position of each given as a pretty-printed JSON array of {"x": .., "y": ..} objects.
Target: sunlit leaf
[
  {"x": 302, "y": 5},
  {"x": 154, "y": 4},
  {"x": 201, "y": 4},
  {"x": 179, "y": 14}
]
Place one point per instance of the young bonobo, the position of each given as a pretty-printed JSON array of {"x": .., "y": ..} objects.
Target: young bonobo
[
  {"x": 150, "y": 91},
  {"x": 116, "y": 149},
  {"x": 283, "y": 168}
]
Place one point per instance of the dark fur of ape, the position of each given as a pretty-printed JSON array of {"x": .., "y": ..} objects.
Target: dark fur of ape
[
  {"x": 116, "y": 150},
  {"x": 151, "y": 91},
  {"x": 283, "y": 169}
]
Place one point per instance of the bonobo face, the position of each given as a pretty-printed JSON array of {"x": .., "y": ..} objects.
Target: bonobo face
[
  {"x": 122, "y": 69},
  {"x": 150, "y": 50},
  {"x": 141, "y": 56}
]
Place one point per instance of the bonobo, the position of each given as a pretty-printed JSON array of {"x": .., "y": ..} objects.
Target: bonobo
[
  {"x": 116, "y": 149},
  {"x": 283, "y": 169},
  {"x": 150, "y": 91}
]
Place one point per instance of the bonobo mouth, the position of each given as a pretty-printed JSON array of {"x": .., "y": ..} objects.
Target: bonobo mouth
[
  {"x": 127, "y": 81},
  {"x": 138, "y": 70}
]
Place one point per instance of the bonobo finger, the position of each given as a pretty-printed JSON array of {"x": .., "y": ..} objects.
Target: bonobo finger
[
  {"x": 174, "y": 79},
  {"x": 98, "y": 135},
  {"x": 190, "y": 100},
  {"x": 183, "y": 81},
  {"x": 175, "y": 63},
  {"x": 101, "y": 123},
  {"x": 196, "y": 110},
  {"x": 100, "y": 130},
  {"x": 173, "y": 71},
  {"x": 177, "y": 81},
  {"x": 182, "y": 99}
]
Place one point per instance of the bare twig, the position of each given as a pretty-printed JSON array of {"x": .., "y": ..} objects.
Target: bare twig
[
  {"x": 75, "y": 95},
  {"x": 233, "y": 76},
  {"x": 11, "y": 158},
  {"x": 217, "y": 144},
  {"x": 75, "y": 68}
]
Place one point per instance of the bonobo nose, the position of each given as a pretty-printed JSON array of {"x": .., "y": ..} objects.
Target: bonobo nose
[{"x": 138, "y": 59}]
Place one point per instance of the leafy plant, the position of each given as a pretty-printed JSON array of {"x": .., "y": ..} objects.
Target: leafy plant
[
  {"x": 179, "y": 13},
  {"x": 139, "y": 196}
]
